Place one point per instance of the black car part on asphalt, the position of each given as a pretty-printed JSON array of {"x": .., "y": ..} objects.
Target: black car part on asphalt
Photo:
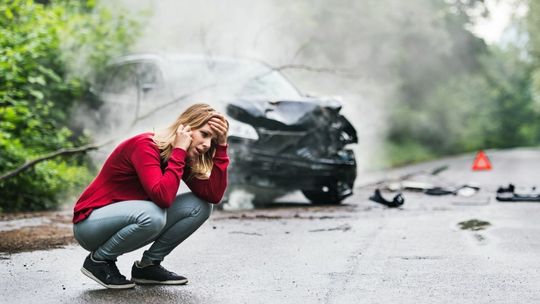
[
  {"x": 511, "y": 194},
  {"x": 301, "y": 145},
  {"x": 397, "y": 201}
]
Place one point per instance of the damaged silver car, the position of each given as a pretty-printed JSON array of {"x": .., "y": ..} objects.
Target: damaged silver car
[
  {"x": 296, "y": 144},
  {"x": 279, "y": 139}
]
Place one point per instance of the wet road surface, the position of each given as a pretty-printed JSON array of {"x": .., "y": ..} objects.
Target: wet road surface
[{"x": 358, "y": 252}]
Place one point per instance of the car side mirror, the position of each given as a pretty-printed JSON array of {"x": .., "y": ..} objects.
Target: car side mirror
[
  {"x": 147, "y": 87},
  {"x": 311, "y": 95}
]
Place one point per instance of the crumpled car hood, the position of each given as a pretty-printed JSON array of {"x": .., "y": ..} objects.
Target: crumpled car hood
[
  {"x": 308, "y": 128},
  {"x": 286, "y": 115}
]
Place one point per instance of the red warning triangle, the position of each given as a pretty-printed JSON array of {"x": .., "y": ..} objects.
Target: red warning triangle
[{"x": 481, "y": 162}]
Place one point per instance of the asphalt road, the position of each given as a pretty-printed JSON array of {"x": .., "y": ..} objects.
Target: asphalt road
[{"x": 359, "y": 252}]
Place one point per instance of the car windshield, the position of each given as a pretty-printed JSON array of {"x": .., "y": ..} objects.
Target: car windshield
[{"x": 230, "y": 79}]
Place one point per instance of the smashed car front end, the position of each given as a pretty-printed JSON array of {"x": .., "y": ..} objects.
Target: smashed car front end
[{"x": 291, "y": 145}]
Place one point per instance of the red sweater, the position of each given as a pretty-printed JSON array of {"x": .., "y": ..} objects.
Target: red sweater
[{"x": 134, "y": 172}]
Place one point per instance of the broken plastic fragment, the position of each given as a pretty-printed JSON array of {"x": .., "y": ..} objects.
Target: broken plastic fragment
[
  {"x": 465, "y": 190},
  {"x": 397, "y": 201},
  {"x": 511, "y": 194}
]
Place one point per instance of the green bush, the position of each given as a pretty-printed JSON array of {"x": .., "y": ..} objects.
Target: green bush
[
  {"x": 43, "y": 48},
  {"x": 490, "y": 108}
]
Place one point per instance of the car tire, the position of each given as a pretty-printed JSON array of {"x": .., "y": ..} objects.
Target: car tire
[
  {"x": 327, "y": 195},
  {"x": 322, "y": 198}
]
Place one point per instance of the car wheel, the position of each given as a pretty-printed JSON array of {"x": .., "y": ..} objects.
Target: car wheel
[
  {"x": 329, "y": 194},
  {"x": 321, "y": 198}
]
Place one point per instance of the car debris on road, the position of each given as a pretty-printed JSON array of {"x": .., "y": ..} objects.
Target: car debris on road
[
  {"x": 429, "y": 183},
  {"x": 397, "y": 201},
  {"x": 513, "y": 194}
]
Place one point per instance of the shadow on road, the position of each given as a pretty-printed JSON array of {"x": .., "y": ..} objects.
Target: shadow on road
[
  {"x": 140, "y": 294},
  {"x": 292, "y": 204}
]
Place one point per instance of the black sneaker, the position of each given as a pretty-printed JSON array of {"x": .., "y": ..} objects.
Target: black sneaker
[
  {"x": 155, "y": 274},
  {"x": 105, "y": 273}
]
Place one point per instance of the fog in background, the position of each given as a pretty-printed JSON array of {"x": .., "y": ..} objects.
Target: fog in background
[{"x": 347, "y": 48}]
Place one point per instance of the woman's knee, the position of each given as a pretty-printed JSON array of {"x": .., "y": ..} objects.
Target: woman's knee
[
  {"x": 205, "y": 210},
  {"x": 81, "y": 238},
  {"x": 199, "y": 208},
  {"x": 152, "y": 218}
]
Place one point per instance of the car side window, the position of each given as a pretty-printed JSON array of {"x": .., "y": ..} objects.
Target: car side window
[
  {"x": 122, "y": 80},
  {"x": 150, "y": 77}
]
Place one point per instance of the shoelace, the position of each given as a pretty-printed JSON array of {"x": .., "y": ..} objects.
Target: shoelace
[
  {"x": 158, "y": 264},
  {"x": 115, "y": 270}
]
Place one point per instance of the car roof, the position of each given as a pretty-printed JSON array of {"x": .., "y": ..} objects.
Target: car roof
[{"x": 181, "y": 56}]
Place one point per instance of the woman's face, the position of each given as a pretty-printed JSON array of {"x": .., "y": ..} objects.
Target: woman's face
[{"x": 201, "y": 141}]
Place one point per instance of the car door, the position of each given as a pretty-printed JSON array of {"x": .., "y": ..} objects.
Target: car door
[
  {"x": 118, "y": 94},
  {"x": 132, "y": 92},
  {"x": 152, "y": 90}
]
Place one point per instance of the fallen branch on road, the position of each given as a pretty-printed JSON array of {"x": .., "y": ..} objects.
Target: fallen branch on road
[{"x": 61, "y": 152}]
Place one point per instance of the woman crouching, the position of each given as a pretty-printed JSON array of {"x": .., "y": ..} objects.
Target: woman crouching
[{"x": 133, "y": 200}]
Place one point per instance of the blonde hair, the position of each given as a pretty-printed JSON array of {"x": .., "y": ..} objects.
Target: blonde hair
[{"x": 196, "y": 116}]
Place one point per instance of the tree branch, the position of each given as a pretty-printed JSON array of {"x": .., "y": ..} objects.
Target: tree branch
[
  {"x": 54, "y": 154},
  {"x": 336, "y": 71},
  {"x": 168, "y": 104}
]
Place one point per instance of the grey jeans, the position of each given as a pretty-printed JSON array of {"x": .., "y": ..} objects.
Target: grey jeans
[{"x": 129, "y": 225}]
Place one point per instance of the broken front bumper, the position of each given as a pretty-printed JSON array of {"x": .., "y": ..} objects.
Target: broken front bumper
[{"x": 290, "y": 172}]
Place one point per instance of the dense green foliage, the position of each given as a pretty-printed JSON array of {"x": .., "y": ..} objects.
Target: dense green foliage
[
  {"x": 490, "y": 108},
  {"x": 533, "y": 31},
  {"x": 476, "y": 97},
  {"x": 40, "y": 44}
]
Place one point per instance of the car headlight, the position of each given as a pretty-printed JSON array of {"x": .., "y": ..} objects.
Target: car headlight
[{"x": 242, "y": 130}]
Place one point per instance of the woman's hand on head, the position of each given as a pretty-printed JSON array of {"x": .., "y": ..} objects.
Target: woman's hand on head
[
  {"x": 183, "y": 137},
  {"x": 220, "y": 126}
]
